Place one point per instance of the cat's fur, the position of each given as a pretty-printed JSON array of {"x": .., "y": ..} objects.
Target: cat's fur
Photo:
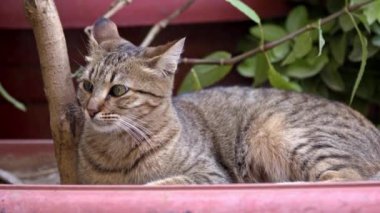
[{"x": 220, "y": 135}]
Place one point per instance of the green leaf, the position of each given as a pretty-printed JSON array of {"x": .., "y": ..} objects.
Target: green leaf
[
  {"x": 247, "y": 67},
  {"x": 271, "y": 32},
  {"x": 353, "y": 2},
  {"x": 364, "y": 21},
  {"x": 289, "y": 59},
  {"x": 307, "y": 68},
  {"x": 356, "y": 53},
  {"x": 329, "y": 26},
  {"x": 256, "y": 67},
  {"x": 363, "y": 42},
  {"x": 296, "y": 19},
  {"x": 338, "y": 47},
  {"x": 278, "y": 53},
  {"x": 11, "y": 100},
  {"x": 321, "y": 40},
  {"x": 281, "y": 82},
  {"x": 372, "y": 12},
  {"x": 206, "y": 74},
  {"x": 197, "y": 83},
  {"x": 303, "y": 44},
  {"x": 261, "y": 70},
  {"x": 345, "y": 23},
  {"x": 376, "y": 41},
  {"x": 246, "y": 10},
  {"x": 332, "y": 78}
]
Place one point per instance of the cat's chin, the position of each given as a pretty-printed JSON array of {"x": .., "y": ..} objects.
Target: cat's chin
[{"x": 100, "y": 126}]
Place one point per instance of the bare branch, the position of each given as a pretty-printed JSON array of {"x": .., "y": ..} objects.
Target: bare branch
[
  {"x": 163, "y": 23},
  {"x": 278, "y": 42},
  {"x": 58, "y": 85},
  {"x": 115, "y": 6}
]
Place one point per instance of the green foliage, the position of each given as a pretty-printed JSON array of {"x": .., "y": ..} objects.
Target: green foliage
[
  {"x": 11, "y": 100},
  {"x": 246, "y": 10},
  {"x": 338, "y": 59},
  {"x": 363, "y": 43},
  {"x": 271, "y": 32},
  {"x": 205, "y": 75},
  {"x": 296, "y": 19}
]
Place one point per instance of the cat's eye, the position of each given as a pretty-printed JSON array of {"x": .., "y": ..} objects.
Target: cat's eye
[
  {"x": 87, "y": 86},
  {"x": 118, "y": 90}
]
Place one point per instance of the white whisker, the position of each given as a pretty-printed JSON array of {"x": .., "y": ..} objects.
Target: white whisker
[
  {"x": 138, "y": 130},
  {"x": 132, "y": 126},
  {"x": 137, "y": 124},
  {"x": 130, "y": 132}
]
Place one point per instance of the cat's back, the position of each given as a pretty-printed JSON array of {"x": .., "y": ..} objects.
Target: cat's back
[
  {"x": 289, "y": 123},
  {"x": 299, "y": 109}
]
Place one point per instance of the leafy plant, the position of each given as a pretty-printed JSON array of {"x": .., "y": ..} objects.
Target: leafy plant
[{"x": 333, "y": 58}]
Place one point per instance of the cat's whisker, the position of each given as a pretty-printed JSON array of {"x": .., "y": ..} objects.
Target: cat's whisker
[
  {"x": 143, "y": 129},
  {"x": 130, "y": 132},
  {"x": 138, "y": 124},
  {"x": 132, "y": 127},
  {"x": 134, "y": 121},
  {"x": 138, "y": 130}
]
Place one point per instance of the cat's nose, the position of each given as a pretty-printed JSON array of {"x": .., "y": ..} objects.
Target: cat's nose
[
  {"x": 94, "y": 107},
  {"x": 92, "y": 112}
]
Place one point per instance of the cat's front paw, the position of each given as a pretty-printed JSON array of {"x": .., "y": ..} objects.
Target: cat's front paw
[
  {"x": 176, "y": 180},
  {"x": 156, "y": 183}
]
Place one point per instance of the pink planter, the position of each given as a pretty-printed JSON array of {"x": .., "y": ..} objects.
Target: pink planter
[
  {"x": 354, "y": 197},
  {"x": 294, "y": 197}
]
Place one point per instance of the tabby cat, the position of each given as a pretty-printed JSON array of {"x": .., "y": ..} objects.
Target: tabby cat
[{"x": 136, "y": 133}]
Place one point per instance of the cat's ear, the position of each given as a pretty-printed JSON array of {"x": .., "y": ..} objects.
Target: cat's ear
[
  {"x": 105, "y": 30},
  {"x": 105, "y": 34},
  {"x": 165, "y": 58}
]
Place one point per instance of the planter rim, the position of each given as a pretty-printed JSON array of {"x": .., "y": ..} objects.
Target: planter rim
[
  {"x": 316, "y": 197},
  {"x": 224, "y": 187}
]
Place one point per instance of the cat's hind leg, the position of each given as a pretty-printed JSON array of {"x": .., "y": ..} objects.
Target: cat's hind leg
[{"x": 266, "y": 158}]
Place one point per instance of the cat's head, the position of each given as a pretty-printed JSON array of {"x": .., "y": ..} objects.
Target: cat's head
[{"x": 123, "y": 81}]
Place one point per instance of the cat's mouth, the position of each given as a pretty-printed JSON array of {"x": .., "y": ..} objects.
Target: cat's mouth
[{"x": 104, "y": 121}]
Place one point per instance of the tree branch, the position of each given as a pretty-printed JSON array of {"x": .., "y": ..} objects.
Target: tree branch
[
  {"x": 163, "y": 23},
  {"x": 59, "y": 89},
  {"x": 115, "y": 6},
  {"x": 276, "y": 43}
]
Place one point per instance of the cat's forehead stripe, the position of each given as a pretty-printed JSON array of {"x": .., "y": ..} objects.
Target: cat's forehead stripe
[
  {"x": 91, "y": 73},
  {"x": 111, "y": 61},
  {"x": 113, "y": 74}
]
